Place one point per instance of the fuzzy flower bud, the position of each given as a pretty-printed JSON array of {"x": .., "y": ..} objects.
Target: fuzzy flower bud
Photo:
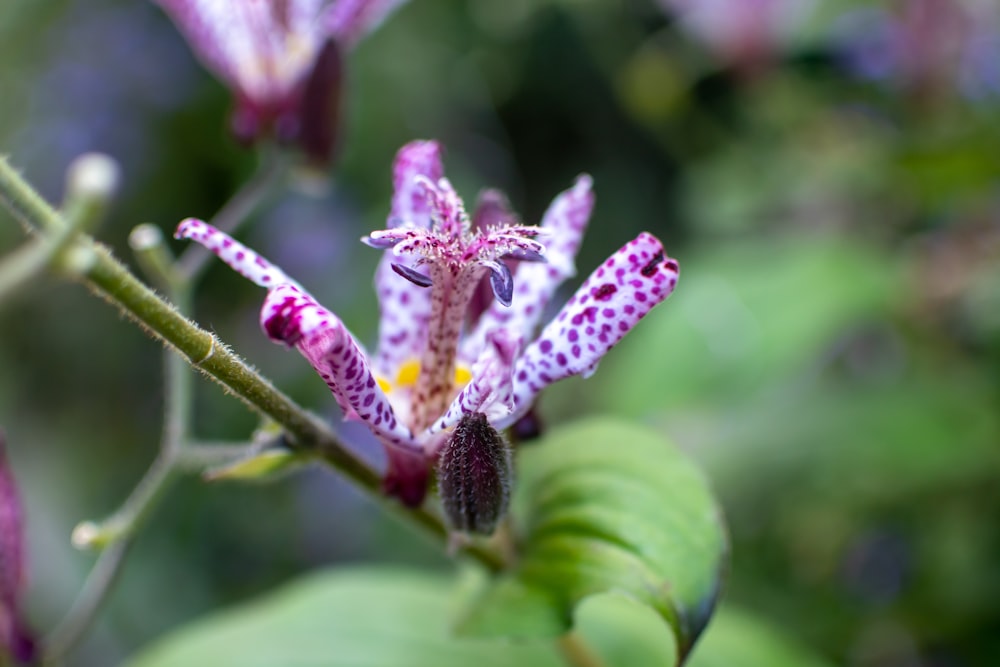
[{"x": 474, "y": 475}]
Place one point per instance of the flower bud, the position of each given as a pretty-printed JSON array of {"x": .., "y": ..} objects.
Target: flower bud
[
  {"x": 319, "y": 109},
  {"x": 474, "y": 474}
]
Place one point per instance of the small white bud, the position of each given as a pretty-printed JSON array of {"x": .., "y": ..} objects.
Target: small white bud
[
  {"x": 93, "y": 175},
  {"x": 145, "y": 237},
  {"x": 85, "y": 535}
]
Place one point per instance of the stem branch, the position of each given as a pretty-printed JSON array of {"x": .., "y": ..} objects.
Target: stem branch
[{"x": 84, "y": 610}]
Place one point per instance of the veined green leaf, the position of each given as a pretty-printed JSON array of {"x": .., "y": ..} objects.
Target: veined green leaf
[{"x": 607, "y": 506}]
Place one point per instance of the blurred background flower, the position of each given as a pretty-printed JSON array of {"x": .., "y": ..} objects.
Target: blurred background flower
[{"x": 831, "y": 357}]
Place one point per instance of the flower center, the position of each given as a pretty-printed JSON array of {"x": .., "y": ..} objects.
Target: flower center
[{"x": 450, "y": 259}]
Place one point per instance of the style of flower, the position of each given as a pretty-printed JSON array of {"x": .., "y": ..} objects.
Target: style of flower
[
  {"x": 435, "y": 365},
  {"x": 15, "y": 639},
  {"x": 281, "y": 59}
]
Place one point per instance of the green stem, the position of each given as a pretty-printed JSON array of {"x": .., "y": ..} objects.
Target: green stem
[
  {"x": 83, "y": 208},
  {"x": 84, "y": 610},
  {"x": 24, "y": 202},
  {"x": 134, "y": 512},
  {"x": 26, "y": 263}
]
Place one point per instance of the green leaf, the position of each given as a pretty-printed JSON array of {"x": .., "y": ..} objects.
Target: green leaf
[
  {"x": 362, "y": 617},
  {"x": 260, "y": 466},
  {"x": 602, "y": 506},
  {"x": 737, "y": 639}
]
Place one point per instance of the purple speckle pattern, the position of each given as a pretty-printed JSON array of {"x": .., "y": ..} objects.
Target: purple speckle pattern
[
  {"x": 563, "y": 226},
  {"x": 491, "y": 390},
  {"x": 292, "y": 317},
  {"x": 242, "y": 259},
  {"x": 405, "y": 308},
  {"x": 455, "y": 257},
  {"x": 429, "y": 235},
  {"x": 594, "y": 319}
]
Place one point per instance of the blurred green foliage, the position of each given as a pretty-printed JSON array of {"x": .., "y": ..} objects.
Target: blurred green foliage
[{"x": 831, "y": 355}]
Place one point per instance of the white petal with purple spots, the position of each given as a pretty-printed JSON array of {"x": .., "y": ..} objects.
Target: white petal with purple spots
[
  {"x": 242, "y": 259},
  {"x": 608, "y": 304},
  {"x": 405, "y": 308},
  {"x": 293, "y": 317},
  {"x": 535, "y": 283}
]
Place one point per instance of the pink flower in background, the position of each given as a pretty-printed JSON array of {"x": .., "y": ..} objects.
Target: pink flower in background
[
  {"x": 926, "y": 46},
  {"x": 435, "y": 365},
  {"x": 15, "y": 640},
  {"x": 742, "y": 33},
  {"x": 281, "y": 58}
]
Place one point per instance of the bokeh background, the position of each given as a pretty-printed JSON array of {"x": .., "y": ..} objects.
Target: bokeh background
[{"x": 827, "y": 173}]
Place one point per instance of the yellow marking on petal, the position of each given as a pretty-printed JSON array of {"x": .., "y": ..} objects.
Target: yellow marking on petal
[
  {"x": 408, "y": 373},
  {"x": 462, "y": 376},
  {"x": 384, "y": 384}
]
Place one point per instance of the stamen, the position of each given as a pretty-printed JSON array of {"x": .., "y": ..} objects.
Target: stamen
[
  {"x": 408, "y": 373},
  {"x": 414, "y": 276},
  {"x": 523, "y": 255},
  {"x": 462, "y": 376},
  {"x": 502, "y": 282},
  {"x": 379, "y": 243}
]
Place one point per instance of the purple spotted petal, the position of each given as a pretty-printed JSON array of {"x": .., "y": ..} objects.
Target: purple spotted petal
[
  {"x": 242, "y": 259},
  {"x": 447, "y": 208},
  {"x": 261, "y": 49},
  {"x": 534, "y": 283},
  {"x": 490, "y": 391},
  {"x": 292, "y": 317},
  {"x": 492, "y": 210},
  {"x": 405, "y": 308},
  {"x": 608, "y": 304},
  {"x": 409, "y": 198},
  {"x": 350, "y": 20}
]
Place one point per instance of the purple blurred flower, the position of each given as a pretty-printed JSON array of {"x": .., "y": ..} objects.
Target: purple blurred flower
[
  {"x": 742, "y": 33},
  {"x": 281, "y": 58},
  {"x": 428, "y": 373},
  {"x": 927, "y": 46},
  {"x": 15, "y": 640}
]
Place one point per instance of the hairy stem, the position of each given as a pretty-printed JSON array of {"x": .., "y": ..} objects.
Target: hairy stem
[{"x": 24, "y": 203}]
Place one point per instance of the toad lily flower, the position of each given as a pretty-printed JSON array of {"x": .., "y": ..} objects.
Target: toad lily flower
[
  {"x": 281, "y": 58},
  {"x": 427, "y": 375}
]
